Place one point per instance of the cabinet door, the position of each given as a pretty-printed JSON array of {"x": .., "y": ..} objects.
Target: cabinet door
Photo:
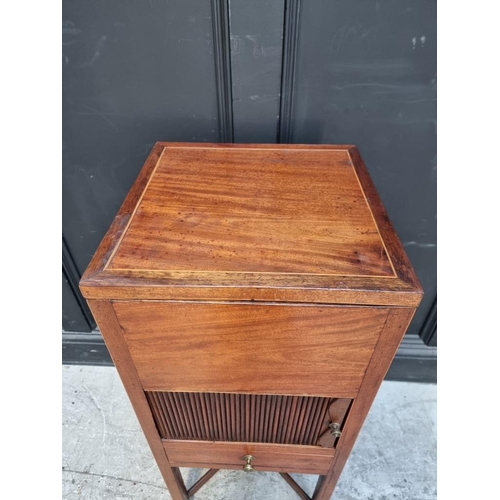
[
  {"x": 250, "y": 348},
  {"x": 250, "y": 418}
]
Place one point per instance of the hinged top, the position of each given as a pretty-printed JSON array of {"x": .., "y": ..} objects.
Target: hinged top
[{"x": 253, "y": 222}]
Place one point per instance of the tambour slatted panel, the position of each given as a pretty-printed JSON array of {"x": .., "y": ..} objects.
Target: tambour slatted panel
[{"x": 238, "y": 417}]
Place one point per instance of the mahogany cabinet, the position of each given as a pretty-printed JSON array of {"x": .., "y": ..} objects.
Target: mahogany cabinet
[{"x": 252, "y": 298}]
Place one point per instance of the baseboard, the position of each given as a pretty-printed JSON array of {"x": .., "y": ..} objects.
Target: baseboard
[
  {"x": 85, "y": 349},
  {"x": 414, "y": 361}
]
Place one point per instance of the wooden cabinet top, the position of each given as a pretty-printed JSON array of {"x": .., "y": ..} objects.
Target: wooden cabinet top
[{"x": 292, "y": 223}]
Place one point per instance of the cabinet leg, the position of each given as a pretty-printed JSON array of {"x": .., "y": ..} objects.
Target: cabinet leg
[
  {"x": 324, "y": 488},
  {"x": 318, "y": 484},
  {"x": 113, "y": 336},
  {"x": 175, "y": 483}
]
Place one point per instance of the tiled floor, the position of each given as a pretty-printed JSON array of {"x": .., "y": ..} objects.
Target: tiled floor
[{"x": 105, "y": 455}]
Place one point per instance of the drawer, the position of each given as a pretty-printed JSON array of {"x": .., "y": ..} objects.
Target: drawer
[
  {"x": 250, "y": 348},
  {"x": 266, "y": 457}
]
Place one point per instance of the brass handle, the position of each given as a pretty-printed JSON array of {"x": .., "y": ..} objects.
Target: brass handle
[
  {"x": 335, "y": 430},
  {"x": 248, "y": 466}
]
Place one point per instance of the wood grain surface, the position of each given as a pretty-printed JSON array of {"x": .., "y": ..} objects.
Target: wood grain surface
[
  {"x": 254, "y": 210},
  {"x": 251, "y": 222},
  {"x": 270, "y": 457},
  {"x": 243, "y": 348}
]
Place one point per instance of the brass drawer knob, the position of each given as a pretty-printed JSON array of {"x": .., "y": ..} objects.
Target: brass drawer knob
[
  {"x": 248, "y": 466},
  {"x": 335, "y": 430}
]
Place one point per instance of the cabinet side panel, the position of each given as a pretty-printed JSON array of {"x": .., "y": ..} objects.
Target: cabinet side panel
[
  {"x": 390, "y": 338},
  {"x": 111, "y": 331}
]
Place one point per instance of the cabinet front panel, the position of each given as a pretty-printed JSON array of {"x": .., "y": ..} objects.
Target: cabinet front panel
[
  {"x": 266, "y": 457},
  {"x": 250, "y": 348}
]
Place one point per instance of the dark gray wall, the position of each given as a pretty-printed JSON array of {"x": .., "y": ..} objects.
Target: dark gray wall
[
  {"x": 73, "y": 319},
  {"x": 256, "y": 54}
]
